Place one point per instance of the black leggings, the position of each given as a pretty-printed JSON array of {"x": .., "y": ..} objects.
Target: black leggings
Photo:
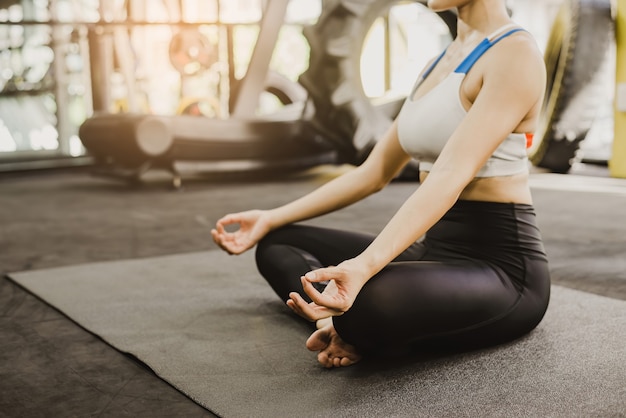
[{"x": 479, "y": 277}]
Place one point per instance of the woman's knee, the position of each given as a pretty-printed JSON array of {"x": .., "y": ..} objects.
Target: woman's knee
[{"x": 272, "y": 244}]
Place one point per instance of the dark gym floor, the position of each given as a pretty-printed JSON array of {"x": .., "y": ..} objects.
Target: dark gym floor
[{"x": 49, "y": 366}]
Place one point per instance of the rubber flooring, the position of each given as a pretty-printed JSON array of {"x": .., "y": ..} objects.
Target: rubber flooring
[{"x": 49, "y": 366}]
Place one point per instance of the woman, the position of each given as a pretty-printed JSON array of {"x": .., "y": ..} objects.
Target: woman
[{"x": 480, "y": 274}]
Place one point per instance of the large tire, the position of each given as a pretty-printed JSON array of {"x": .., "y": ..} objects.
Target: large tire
[
  {"x": 343, "y": 112},
  {"x": 576, "y": 58}
]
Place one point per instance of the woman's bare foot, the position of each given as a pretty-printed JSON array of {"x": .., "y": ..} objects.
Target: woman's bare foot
[{"x": 333, "y": 351}]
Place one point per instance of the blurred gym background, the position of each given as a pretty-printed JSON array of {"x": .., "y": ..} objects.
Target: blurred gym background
[{"x": 61, "y": 61}]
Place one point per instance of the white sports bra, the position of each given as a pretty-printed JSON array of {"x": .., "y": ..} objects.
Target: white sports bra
[{"x": 426, "y": 124}]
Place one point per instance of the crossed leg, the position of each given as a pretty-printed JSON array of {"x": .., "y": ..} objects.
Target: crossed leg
[{"x": 408, "y": 301}]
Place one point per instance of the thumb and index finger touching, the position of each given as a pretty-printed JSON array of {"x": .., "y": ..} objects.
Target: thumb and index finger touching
[
  {"x": 322, "y": 274},
  {"x": 230, "y": 219},
  {"x": 323, "y": 298},
  {"x": 225, "y": 239}
]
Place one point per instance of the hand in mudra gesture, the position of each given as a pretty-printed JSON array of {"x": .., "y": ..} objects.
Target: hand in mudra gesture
[
  {"x": 253, "y": 225},
  {"x": 345, "y": 282}
]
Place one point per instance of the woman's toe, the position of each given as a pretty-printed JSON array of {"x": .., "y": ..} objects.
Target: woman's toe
[{"x": 318, "y": 341}]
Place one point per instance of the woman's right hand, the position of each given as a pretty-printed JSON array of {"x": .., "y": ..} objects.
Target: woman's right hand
[{"x": 253, "y": 225}]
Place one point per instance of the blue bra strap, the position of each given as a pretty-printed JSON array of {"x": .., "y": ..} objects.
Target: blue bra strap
[
  {"x": 478, "y": 52},
  {"x": 434, "y": 64}
]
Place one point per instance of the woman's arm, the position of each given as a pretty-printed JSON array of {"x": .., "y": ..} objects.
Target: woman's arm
[
  {"x": 385, "y": 161},
  {"x": 512, "y": 86}
]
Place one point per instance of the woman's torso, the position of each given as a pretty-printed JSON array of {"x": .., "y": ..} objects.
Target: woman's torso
[{"x": 509, "y": 188}]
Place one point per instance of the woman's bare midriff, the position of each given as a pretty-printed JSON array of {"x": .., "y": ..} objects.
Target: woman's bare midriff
[{"x": 506, "y": 189}]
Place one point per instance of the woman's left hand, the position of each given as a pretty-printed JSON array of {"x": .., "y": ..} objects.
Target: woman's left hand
[{"x": 345, "y": 282}]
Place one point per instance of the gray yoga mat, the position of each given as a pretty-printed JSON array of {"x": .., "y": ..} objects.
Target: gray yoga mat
[{"x": 210, "y": 326}]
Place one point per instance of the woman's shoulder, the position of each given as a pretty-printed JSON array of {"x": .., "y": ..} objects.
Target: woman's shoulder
[
  {"x": 518, "y": 49},
  {"x": 517, "y": 57}
]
